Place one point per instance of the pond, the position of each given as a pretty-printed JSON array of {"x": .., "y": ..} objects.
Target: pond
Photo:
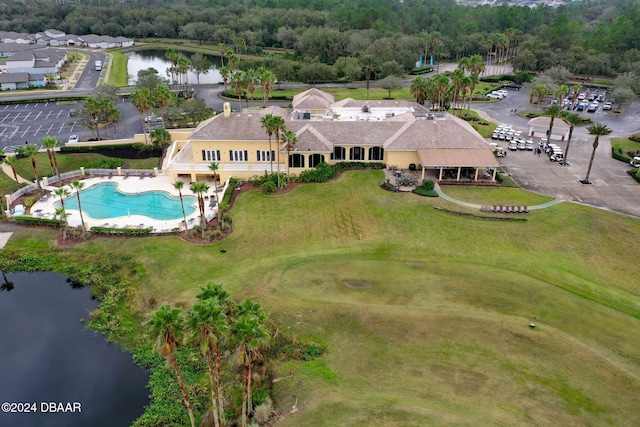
[
  {"x": 155, "y": 58},
  {"x": 51, "y": 365}
]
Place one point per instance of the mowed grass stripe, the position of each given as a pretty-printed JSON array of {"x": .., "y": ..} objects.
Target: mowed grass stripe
[{"x": 434, "y": 327}]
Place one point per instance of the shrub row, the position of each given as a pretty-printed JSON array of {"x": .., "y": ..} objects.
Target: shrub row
[
  {"x": 358, "y": 165},
  {"x": 33, "y": 220},
  {"x": 635, "y": 174},
  {"x": 619, "y": 154},
  {"x": 109, "y": 163},
  {"x": 47, "y": 99},
  {"x": 138, "y": 146},
  {"x": 121, "y": 231}
]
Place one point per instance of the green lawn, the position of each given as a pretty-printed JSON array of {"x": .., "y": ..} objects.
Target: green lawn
[
  {"x": 425, "y": 314},
  {"x": 73, "y": 161},
  {"x": 628, "y": 147},
  {"x": 495, "y": 196},
  {"x": 118, "y": 73}
]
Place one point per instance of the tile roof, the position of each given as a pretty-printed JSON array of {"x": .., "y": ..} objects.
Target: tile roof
[{"x": 464, "y": 157}]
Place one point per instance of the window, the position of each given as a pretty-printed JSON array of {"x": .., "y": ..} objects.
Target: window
[
  {"x": 315, "y": 159},
  {"x": 356, "y": 153},
  {"x": 211, "y": 155},
  {"x": 376, "y": 153},
  {"x": 238, "y": 155},
  {"x": 296, "y": 161},
  {"x": 263, "y": 155},
  {"x": 338, "y": 153}
]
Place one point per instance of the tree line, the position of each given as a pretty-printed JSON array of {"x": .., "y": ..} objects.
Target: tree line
[{"x": 590, "y": 37}]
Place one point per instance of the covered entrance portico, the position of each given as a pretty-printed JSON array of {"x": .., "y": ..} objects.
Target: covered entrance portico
[{"x": 458, "y": 159}]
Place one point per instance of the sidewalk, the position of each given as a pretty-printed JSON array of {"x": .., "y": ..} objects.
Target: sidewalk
[{"x": 7, "y": 170}]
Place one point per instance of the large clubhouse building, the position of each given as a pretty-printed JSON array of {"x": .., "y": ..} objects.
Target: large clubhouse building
[{"x": 400, "y": 134}]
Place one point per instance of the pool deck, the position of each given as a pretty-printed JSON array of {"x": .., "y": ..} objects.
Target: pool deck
[{"x": 45, "y": 207}]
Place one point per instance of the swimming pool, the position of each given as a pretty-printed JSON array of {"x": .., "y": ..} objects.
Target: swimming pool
[{"x": 104, "y": 200}]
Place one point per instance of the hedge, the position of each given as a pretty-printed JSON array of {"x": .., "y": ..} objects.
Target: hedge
[
  {"x": 616, "y": 154},
  {"x": 33, "y": 220},
  {"x": 104, "y": 147},
  {"x": 121, "y": 231},
  {"x": 33, "y": 100}
]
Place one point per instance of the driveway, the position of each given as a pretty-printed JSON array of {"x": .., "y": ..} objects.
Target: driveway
[{"x": 611, "y": 188}]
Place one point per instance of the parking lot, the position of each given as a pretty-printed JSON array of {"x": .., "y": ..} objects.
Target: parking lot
[{"x": 28, "y": 123}]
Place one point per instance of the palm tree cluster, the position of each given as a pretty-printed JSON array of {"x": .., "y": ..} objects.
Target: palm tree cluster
[
  {"x": 227, "y": 334},
  {"x": 275, "y": 125},
  {"x": 96, "y": 112},
  {"x": 442, "y": 91},
  {"x": 243, "y": 82}
]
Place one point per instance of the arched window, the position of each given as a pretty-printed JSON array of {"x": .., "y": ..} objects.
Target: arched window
[
  {"x": 338, "y": 153},
  {"x": 314, "y": 159},
  {"x": 356, "y": 153},
  {"x": 376, "y": 153},
  {"x": 296, "y": 160}
]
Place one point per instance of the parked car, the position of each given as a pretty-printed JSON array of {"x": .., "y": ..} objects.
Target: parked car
[
  {"x": 607, "y": 105},
  {"x": 73, "y": 139},
  {"x": 592, "y": 108},
  {"x": 495, "y": 95}
]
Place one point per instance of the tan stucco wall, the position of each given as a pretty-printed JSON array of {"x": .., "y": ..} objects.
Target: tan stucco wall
[{"x": 402, "y": 159}]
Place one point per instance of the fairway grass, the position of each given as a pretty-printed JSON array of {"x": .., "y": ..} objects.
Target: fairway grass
[{"x": 425, "y": 314}]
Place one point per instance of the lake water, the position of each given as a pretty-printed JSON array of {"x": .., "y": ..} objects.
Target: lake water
[
  {"x": 154, "y": 58},
  {"x": 47, "y": 355}
]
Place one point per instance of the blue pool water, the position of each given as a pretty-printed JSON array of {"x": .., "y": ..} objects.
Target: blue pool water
[{"x": 105, "y": 201}]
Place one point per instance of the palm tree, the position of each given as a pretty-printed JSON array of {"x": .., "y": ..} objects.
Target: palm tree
[
  {"x": 251, "y": 336},
  {"x": 368, "y": 65},
  {"x": 63, "y": 193},
  {"x": 457, "y": 80},
  {"x": 418, "y": 89},
  {"x": 92, "y": 108},
  {"x": 62, "y": 214},
  {"x": 238, "y": 81},
  {"x": 215, "y": 166},
  {"x": 199, "y": 188},
  {"x": 441, "y": 84},
  {"x": 79, "y": 186},
  {"x": 572, "y": 119},
  {"x": 166, "y": 324},
  {"x": 143, "y": 102},
  {"x": 207, "y": 320},
  {"x": 269, "y": 126},
  {"x": 225, "y": 72},
  {"x": 553, "y": 111},
  {"x": 278, "y": 127},
  {"x": 597, "y": 129},
  {"x": 267, "y": 80},
  {"x": 290, "y": 140},
  {"x": 50, "y": 143},
  {"x": 11, "y": 162},
  {"x": 31, "y": 151},
  {"x": 178, "y": 186},
  {"x": 173, "y": 57},
  {"x": 184, "y": 64},
  {"x": 252, "y": 78},
  {"x": 222, "y": 49},
  {"x": 163, "y": 96}
]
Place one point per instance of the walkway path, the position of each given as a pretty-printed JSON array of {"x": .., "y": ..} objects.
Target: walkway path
[
  {"x": 476, "y": 206},
  {"x": 7, "y": 170}
]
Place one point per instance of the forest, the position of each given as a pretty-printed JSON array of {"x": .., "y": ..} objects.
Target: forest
[{"x": 592, "y": 37}]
